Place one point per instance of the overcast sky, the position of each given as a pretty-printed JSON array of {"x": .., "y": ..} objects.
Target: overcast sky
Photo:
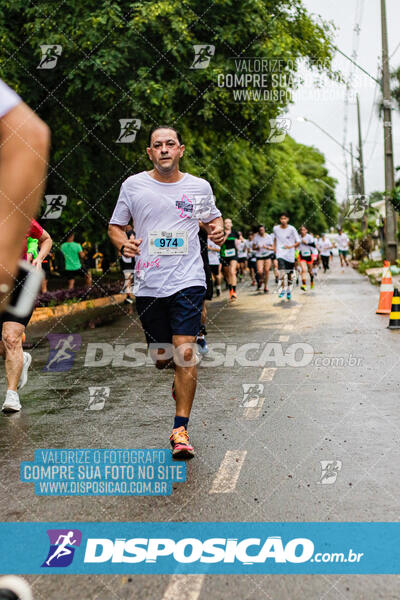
[{"x": 327, "y": 106}]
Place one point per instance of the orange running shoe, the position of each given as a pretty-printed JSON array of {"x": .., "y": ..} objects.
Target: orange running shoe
[
  {"x": 181, "y": 447},
  {"x": 234, "y": 295}
]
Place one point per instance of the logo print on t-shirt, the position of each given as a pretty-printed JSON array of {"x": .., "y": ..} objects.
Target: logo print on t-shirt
[{"x": 186, "y": 207}]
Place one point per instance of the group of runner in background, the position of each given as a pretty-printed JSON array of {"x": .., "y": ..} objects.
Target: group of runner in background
[{"x": 291, "y": 255}]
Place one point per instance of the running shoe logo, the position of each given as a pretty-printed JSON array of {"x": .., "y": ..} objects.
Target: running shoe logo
[
  {"x": 50, "y": 56},
  {"x": 185, "y": 206},
  {"x": 62, "y": 351},
  {"x": 329, "y": 471},
  {"x": 63, "y": 543},
  {"x": 129, "y": 130},
  {"x": 55, "y": 205},
  {"x": 203, "y": 53}
]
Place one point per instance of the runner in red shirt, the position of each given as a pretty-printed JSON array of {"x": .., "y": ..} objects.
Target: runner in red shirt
[{"x": 12, "y": 329}]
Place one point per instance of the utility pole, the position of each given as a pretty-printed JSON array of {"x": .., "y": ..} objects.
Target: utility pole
[
  {"x": 354, "y": 174},
  {"x": 364, "y": 223},
  {"x": 353, "y": 179},
  {"x": 391, "y": 215}
]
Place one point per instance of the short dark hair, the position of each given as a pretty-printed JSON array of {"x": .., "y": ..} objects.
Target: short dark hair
[
  {"x": 284, "y": 214},
  {"x": 260, "y": 225},
  {"x": 157, "y": 127}
]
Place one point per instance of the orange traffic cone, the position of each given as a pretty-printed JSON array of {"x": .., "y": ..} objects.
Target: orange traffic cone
[
  {"x": 394, "y": 319},
  {"x": 386, "y": 291}
]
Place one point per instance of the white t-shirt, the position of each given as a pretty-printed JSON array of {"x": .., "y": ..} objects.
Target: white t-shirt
[
  {"x": 285, "y": 236},
  {"x": 304, "y": 247},
  {"x": 263, "y": 243},
  {"x": 213, "y": 255},
  {"x": 324, "y": 247},
  {"x": 250, "y": 252},
  {"x": 166, "y": 217},
  {"x": 8, "y": 99},
  {"x": 242, "y": 249},
  {"x": 342, "y": 242}
]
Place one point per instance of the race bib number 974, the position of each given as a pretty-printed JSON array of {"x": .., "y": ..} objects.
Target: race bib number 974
[{"x": 168, "y": 242}]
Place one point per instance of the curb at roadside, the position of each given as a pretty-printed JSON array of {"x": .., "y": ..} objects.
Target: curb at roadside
[{"x": 44, "y": 313}]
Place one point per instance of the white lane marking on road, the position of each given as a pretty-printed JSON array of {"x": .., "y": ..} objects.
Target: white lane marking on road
[
  {"x": 228, "y": 472},
  {"x": 184, "y": 586},
  {"x": 292, "y": 317},
  {"x": 267, "y": 374},
  {"x": 288, "y": 327},
  {"x": 283, "y": 338},
  {"x": 253, "y": 412}
]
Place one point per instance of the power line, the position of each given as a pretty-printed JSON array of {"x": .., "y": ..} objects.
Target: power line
[
  {"x": 335, "y": 165},
  {"x": 394, "y": 51},
  {"x": 370, "y": 116},
  {"x": 358, "y": 66},
  {"x": 375, "y": 145},
  {"x": 326, "y": 133}
]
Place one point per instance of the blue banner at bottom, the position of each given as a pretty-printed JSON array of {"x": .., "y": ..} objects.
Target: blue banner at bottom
[{"x": 213, "y": 548}]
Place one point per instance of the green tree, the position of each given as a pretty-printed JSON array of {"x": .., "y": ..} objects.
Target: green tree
[{"x": 134, "y": 60}]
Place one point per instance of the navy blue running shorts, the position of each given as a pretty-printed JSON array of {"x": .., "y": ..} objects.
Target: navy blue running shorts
[{"x": 179, "y": 314}]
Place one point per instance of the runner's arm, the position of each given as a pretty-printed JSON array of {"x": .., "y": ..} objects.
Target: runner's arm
[
  {"x": 215, "y": 230},
  {"x": 45, "y": 243},
  {"x": 117, "y": 235},
  {"x": 24, "y": 147}
]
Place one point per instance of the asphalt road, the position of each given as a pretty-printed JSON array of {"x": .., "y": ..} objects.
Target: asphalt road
[{"x": 253, "y": 463}]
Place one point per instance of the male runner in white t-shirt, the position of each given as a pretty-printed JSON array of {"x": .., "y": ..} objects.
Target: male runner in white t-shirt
[
  {"x": 263, "y": 244},
  {"x": 166, "y": 206},
  {"x": 286, "y": 239},
  {"x": 24, "y": 146},
  {"x": 325, "y": 247},
  {"x": 342, "y": 244}
]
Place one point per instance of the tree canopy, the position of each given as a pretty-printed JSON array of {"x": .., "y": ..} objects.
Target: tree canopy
[{"x": 137, "y": 60}]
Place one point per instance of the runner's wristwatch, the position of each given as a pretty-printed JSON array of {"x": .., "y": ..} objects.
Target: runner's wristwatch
[{"x": 122, "y": 249}]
